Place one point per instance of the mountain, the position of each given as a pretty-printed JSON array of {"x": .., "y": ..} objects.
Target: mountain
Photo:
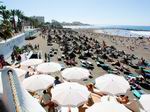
[{"x": 75, "y": 23}]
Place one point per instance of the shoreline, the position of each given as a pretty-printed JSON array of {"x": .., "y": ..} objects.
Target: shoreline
[
  {"x": 119, "y": 27},
  {"x": 125, "y": 33},
  {"x": 121, "y": 42},
  {"x": 117, "y": 30}
]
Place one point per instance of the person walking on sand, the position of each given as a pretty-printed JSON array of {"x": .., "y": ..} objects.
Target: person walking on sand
[{"x": 45, "y": 56}]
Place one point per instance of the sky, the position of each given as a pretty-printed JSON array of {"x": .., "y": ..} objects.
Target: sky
[{"x": 101, "y": 12}]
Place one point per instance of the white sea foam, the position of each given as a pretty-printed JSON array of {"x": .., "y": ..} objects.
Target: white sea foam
[
  {"x": 142, "y": 33},
  {"x": 119, "y": 32},
  {"x": 125, "y": 33}
]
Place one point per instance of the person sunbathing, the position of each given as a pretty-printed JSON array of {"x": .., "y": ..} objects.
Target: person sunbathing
[
  {"x": 110, "y": 59},
  {"x": 142, "y": 61},
  {"x": 117, "y": 63},
  {"x": 51, "y": 106},
  {"x": 3, "y": 62},
  {"x": 91, "y": 87},
  {"x": 123, "y": 99}
]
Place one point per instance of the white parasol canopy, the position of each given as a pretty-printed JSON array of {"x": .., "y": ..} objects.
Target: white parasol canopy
[
  {"x": 50, "y": 67},
  {"x": 107, "y": 106},
  {"x": 31, "y": 62},
  {"x": 144, "y": 100},
  {"x": 70, "y": 94},
  {"x": 75, "y": 73},
  {"x": 112, "y": 84},
  {"x": 38, "y": 82}
]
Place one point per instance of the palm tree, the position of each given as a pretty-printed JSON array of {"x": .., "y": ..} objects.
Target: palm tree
[
  {"x": 34, "y": 22},
  {"x": 2, "y": 9},
  {"x": 5, "y": 14},
  {"x": 20, "y": 17},
  {"x": 13, "y": 13},
  {"x": 5, "y": 26},
  {"x": 5, "y": 31}
]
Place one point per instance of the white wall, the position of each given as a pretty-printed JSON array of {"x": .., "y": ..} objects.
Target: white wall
[
  {"x": 26, "y": 101},
  {"x": 6, "y": 47}
]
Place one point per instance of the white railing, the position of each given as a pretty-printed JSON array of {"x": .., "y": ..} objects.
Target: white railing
[{"x": 15, "y": 97}]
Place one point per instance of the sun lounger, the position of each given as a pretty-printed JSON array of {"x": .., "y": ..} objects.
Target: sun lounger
[
  {"x": 133, "y": 75},
  {"x": 89, "y": 62},
  {"x": 147, "y": 75},
  {"x": 145, "y": 85},
  {"x": 63, "y": 56},
  {"x": 148, "y": 64},
  {"x": 113, "y": 72},
  {"x": 138, "y": 93},
  {"x": 59, "y": 58},
  {"x": 97, "y": 63},
  {"x": 86, "y": 64},
  {"x": 134, "y": 66},
  {"x": 100, "y": 61},
  {"x": 83, "y": 61},
  {"x": 83, "y": 65},
  {"x": 147, "y": 71},
  {"x": 133, "y": 87},
  {"x": 105, "y": 67}
]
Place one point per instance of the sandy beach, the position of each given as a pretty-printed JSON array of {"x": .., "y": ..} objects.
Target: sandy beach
[
  {"x": 142, "y": 47},
  {"x": 121, "y": 43},
  {"x": 129, "y": 45}
]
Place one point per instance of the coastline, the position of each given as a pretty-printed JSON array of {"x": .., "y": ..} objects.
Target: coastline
[
  {"x": 120, "y": 30},
  {"x": 141, "y": 46}
]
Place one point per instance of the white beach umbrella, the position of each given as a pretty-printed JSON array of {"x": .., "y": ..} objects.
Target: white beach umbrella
[
  {"x": 31, "y": 62},
  {"x": 144, "y": 100},
  {"x": 112, "y": 84},
  {"x": 75, "y": 73},
  {"x": 107, "y": 106},
  {"x": 38, "y": 82},
  {"x": 70, "y": 94},
  {"x": 50, "y": 67}
]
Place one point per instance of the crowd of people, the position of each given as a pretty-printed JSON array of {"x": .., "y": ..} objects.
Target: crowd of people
[
  {"x": 73, "y": 44},
  {"x": 77, "y": 45}
]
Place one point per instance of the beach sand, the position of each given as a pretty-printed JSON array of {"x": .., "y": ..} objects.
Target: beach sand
[
  {"x": 139, "y": 50},
  {"x": 142, "y": 46},
  {"x": 120, "y": 43}
]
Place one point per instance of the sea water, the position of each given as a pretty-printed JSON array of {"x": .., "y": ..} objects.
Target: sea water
[{"x": 120, "y": 30}]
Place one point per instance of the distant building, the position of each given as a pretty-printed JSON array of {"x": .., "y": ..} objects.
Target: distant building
[
  {"x": 40, "y": 19},
  {"x": 27, "y": 25}
]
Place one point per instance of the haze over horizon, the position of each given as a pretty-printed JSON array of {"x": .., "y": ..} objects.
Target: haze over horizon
[{"x": 101, "y": 12}]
